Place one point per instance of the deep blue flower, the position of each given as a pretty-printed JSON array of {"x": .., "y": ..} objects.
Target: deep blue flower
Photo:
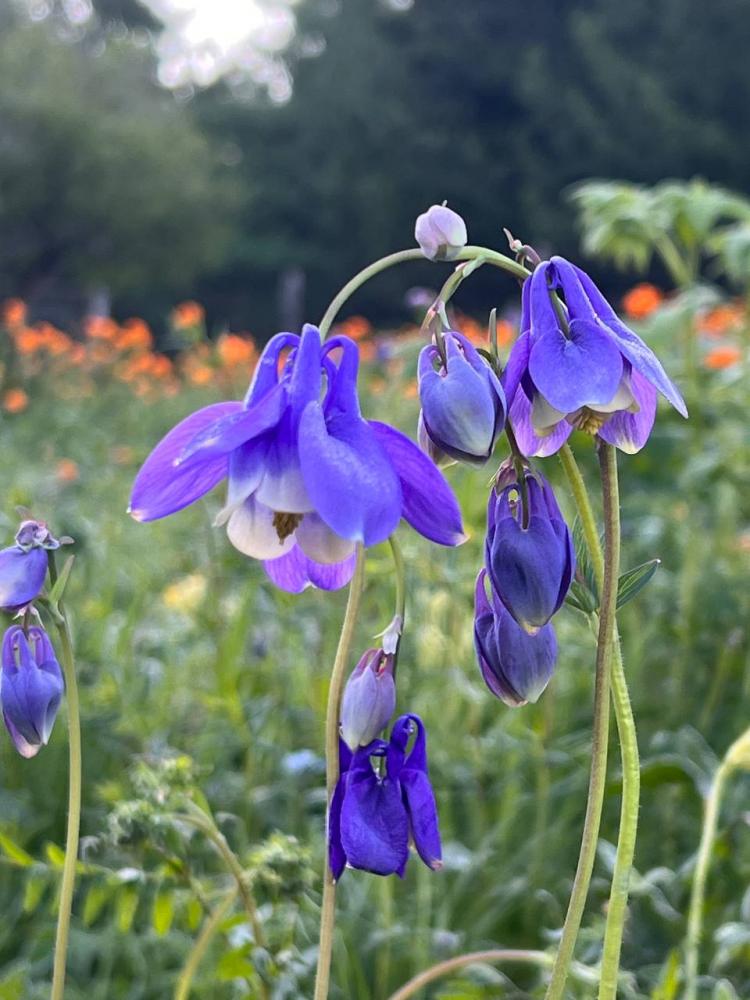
[
  {"x": 529, "y": 551},
  {"x": 369, "y": 698},
  {"x": 373, "y": 815},
  {"x": 463, "y": 403},
  {"x": 516, "y": 666},
  {"x": 578, "y": 365},
  {"x": 23, "y": 566},
  {"x": 31, "y": 689},
  {"x": 308, "y": 476}
]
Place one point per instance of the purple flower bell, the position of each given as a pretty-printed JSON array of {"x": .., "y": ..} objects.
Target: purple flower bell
[
  {"x": 308, "y": 476},
  {"x": 372, "y": 816},
  {"x": 31, "y": 689},
  {"x": 23, "y": 566},
  {"x": 576, "y": 365},
  {"x": 463, "y": 403},
  {"x": 440, "y": 233},
  {"x": 516, "y": 666},
  {"x": 369, "y": 699},
  {"x": 529, "y": 551}
]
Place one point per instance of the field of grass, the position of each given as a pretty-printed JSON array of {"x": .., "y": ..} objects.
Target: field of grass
[{"x": 202, "y": 683}]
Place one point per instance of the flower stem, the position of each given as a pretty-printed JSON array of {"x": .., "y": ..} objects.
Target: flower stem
[
  {"x": 631, "y": 775},
  {"x": 444, "y": 968},
  {"x": 698, "y": 894},
  {"x": 402, "y": 256},
  {"x": 74, "y": 806},
  {"x": 398, "y": 567},
  {"x": 605, "y": 643},
  {"x": 328, "y": 904},
  {"x": 198, "y": 951}
]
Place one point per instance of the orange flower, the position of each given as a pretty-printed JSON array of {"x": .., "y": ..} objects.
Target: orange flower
[
  {"x": 200, "y": 374},
  {"x": 642, "y": 300},
  {"x": 100, "y": 328},
  {"x": 188, "y": 314},
  {"x": 234, "y": 350},
  {"x": 471, "y": 329},
  {"x": 410, "y": 389},
  {"x": 66, "y": 471},
  {"x": 28, "y": 340},
  {"x": 15, "y": 401},
  {"x": 721, "y": 319},
  {"x": 13, "y": 313},
  {"x": 367, "y": 351},
  {"x": 356, "y": 327},
  {"x": 723, "y": 357},
  {"x": 122, "y": 454},
  {"x": 134, "y": 335}
]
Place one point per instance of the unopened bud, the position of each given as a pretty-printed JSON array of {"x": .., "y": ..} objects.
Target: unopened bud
[
  {"x": 369, "y": 699},
  {"x": 441, "y": 233}
]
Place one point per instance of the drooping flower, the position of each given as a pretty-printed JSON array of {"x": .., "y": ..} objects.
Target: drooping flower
[
  {"x": 516, "y": 666},
  {"x": 441, "y": 233},
  {"x": 309, "y": 477},
  {"x": 529, "y": 551},
  {"x": 463, "y": 403},
  {"x": 576, "y": 364},
  {"x": 31, "y": 687},
  {"x": 369, "y": 699},
  {"x": 373, "y": 816},
  {"x": 23, "y": 566}
]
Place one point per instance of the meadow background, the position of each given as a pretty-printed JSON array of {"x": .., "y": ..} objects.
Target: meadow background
[{"x": 221, "y": 210}]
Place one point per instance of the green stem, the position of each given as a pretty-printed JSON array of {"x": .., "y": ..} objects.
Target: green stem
[
  {"x": 401, "y": 257},
  {"x": 698, "y": 894},
  {"x": 74, "y": 802},
  {"x": 444, "y": 968},
  {"x": 338, "y": 674},
  {"x": 589, "y": 837},
  {"x": 209, "y": 929},
  {"x": 398, "y": 567}
]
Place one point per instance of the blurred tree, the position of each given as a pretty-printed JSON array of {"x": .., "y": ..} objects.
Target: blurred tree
[{"x": 104, "y": 179}]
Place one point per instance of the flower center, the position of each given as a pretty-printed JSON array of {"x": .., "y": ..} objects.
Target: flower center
[
  {"x": 589, "y": 421},
  {"x": 285, "y": 523}
]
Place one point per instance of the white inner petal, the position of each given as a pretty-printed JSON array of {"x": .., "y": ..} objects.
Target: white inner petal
[
  {"x": 318, "y": 542},
  {"x": 544, "y": 418},
  {"x": 623, "y": 399},
  {"x": 251, "y": 530}
]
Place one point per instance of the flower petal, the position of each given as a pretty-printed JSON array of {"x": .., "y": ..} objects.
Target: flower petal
[
  {"x": 319, "y": 543},
  {"x": 374, "y": 824},
  {"x": 630, "y": 431},
  {"x": 234, "y": 429},
  {"x": 419, "y": 797},
  {"x": 22, "y": 575},
  {"x": 518, "y": 362},
  {"x": 252, "y": 531},
  {"x": 294, "y": 572},
  {"x": 160, "y": 488},
  {"x": 429, "y": 504}
]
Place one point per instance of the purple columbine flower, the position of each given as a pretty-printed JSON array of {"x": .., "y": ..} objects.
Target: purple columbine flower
[
  {"x": 440, "y": 233},
  {"x": 23, "y": 566},
  {"x": 369, "y": 699},
  {"x": 529, "y": 551},
  {"x": 308, "y": 476},
  {"x": 373, "y": 815},
  {"x": 463, "y": 403},
  {"x": 516, "y": 666},
  {"x": 31, "y": 689},
  {"x": 578, "y": 365}
]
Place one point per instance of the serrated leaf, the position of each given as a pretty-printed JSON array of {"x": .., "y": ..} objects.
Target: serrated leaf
[
  {"x": 127, "y": 904},
  {"x": 33, "y": 892},
  {"x": 634, "y": 580},
  {"x": 16, "y": 854},
  {"x": 96, "y": 898},
  {"x": 163, "y": 912}
]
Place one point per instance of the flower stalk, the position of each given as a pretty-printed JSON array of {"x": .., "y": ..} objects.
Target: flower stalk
[
  {"x": 338, "y": 674},
  {"x": 199, "y": 949}
]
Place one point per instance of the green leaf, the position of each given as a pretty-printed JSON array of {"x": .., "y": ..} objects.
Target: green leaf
[
  {"x": 163, "y": 912},
  {"x": 127, "y": 904},
  {"x": 96, "y": 898},
  {"x": 16, "y": 854},
  {"x": 580, "y": 597},
  {"x": 55, "y": 855},
  {"x": 669, "y": 982},
  {"x": 634, "y": 580},
  {"x": 13, "y": 986},
  {"x": 60, "y": 584},
  {"x": 33, "y": 892},
  {"x": 235, "y": 965},
  {"x": 194, "y": 914}
]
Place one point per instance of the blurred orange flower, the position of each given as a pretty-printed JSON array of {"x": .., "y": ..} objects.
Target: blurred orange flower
[
  {"x": 200, "y": 374},
  {"x": 134, "y": 335},
  {"x": 66, "y": 470},
  {"x": 100, "y": 328},
  {"x": 723, "y": 357},
  {"x": 28, "y": 340},
  {"x": 122, "y": 454},
  {"x": 718, "y": 321},
  {"x": 188, "y": 314},
  {"x": 356, "y": 327},
  {"x": 15, "y": 401},
  {"x": 234, "y": 350},
  {"x": 642, "y": 300},
  {"x": 14, "y": 312},
  {"x": 471, "y": 329}
]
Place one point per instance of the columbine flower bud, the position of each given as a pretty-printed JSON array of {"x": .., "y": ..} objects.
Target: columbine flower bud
[
  {"x": 23, "y": 566},
  {"x": 369, "y": 699},
  {"x": 441, "y": 233},
  {"x": 529, "y": 552},
  {"x": 31, "y": 689},
  {"x": 463, "y": 403},
  {"x": 516, "y": 666}
]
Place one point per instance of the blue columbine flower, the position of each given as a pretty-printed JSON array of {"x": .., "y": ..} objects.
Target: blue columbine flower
[
  {"x": 516, "y": 666},
  {"x": 529, "y": 551},
  {"x": 463, "y": 403},
  {"x": 373, "y": 816},
  {"x": 369, "y": 698},
  {"x": 23, "y": 566},
  {"x": 31, "y": 689},
  {"x": 308, "y": 476},
  {"x": 578, "y": 365}
]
